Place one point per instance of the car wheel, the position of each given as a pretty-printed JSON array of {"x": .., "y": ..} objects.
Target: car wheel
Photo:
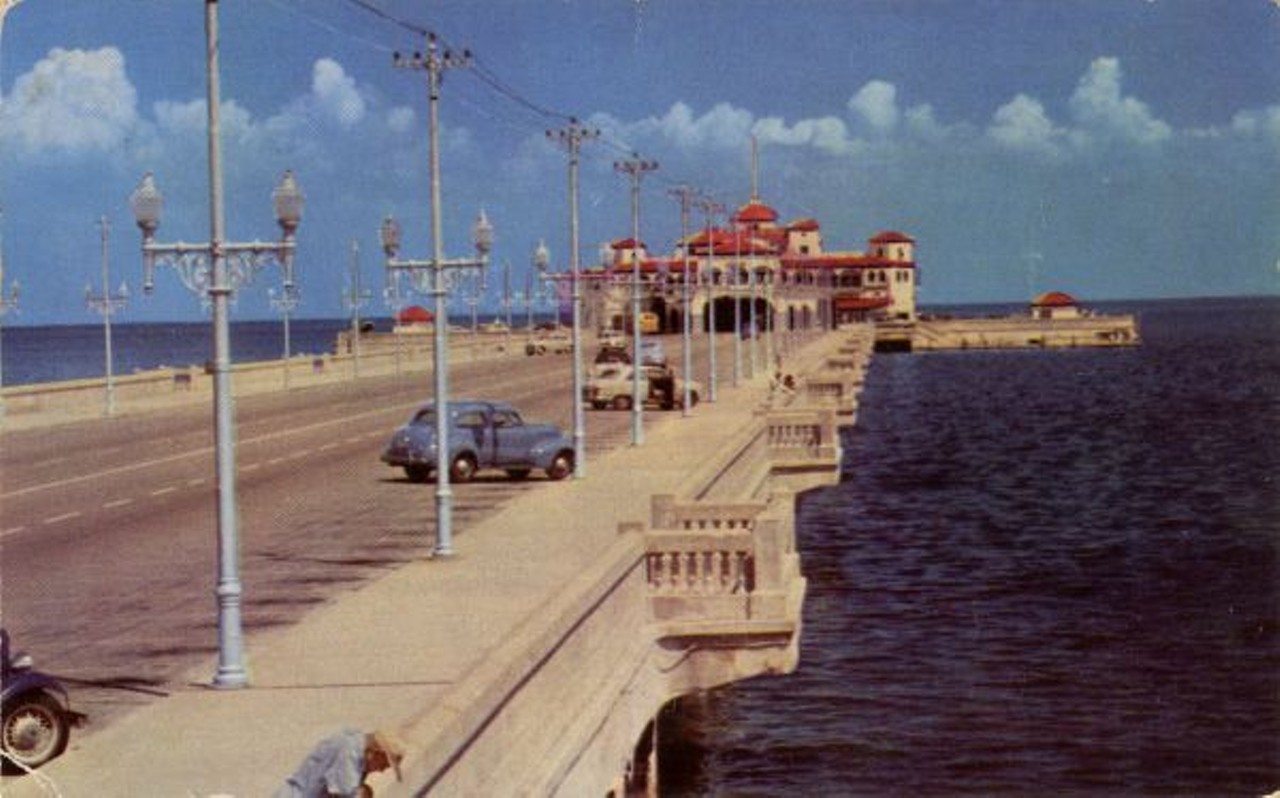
[
  {"x": 463, "y": 468},
  {"x": 33, "y": 731},
  {"x": 693, "y": 399},
  {"x": 561, "y": 467},
  {"x": 622, "y": 403},
  {"x": 599, "y": 405},
  {"x": 518, "y": 473},
  {"x": 417, "y": 473}
]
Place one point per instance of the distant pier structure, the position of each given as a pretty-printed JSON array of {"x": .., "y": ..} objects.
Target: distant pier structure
[{"x": 1054, "y": 320}]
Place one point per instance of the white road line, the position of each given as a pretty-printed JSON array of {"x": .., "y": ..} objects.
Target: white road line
[
  {"x": 191, "y": 483},
  {"x": 117, "y": 503},
  {"x": 60, "y": 518},
  {"x": 163, "y": 491},
  {"x": 328, "y": 446},
  {"x": 201, "y": 452},
  {"x": 250, "y": 467},
  {"x": 13, "y": 530}
]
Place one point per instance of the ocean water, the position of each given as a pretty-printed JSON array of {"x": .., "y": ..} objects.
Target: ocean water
[
  {"x": 1043, "y": 573},
  {"x": 50, "y": 353}
]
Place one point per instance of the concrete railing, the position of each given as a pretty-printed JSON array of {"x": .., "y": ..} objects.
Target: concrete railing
[{"x": 707, "y": 591}]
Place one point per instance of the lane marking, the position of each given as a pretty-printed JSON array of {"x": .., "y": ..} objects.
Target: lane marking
[
  {"x": 57, "y": 519},
  {"x": 117, "y": 503},
  {"x": 509, "y": 384},
  {"x": 192, "y": 483},
  {"x": 203, "y": 451},
  {"x": 13, "y": 530},
  {"x": 163, "y": 491}
]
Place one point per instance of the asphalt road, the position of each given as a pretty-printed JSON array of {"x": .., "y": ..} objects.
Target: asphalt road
[{"x": 108, "y": 530}]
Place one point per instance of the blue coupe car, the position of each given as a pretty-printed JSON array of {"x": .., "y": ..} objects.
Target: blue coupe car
[{"x": 481, "y": 435}]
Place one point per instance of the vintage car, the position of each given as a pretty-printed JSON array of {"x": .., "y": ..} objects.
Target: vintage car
[
  {"x": 555, "y": 342},
  {"x": 482, "y": 435},
  {"x": 611, "y": 385}
]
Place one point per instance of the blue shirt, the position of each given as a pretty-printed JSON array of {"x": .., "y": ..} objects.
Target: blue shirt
[{"x": 334, "y": 767}]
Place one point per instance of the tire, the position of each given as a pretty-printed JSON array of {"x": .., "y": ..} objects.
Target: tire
[
  {"x": 693, "y": 398},
  {"x": 417, "y": 473},
  {"x": 518, "y": 473},
  {"x": 621, "y": 402},
  {"x": 33, "y": 731},
  {"x": 561, "y": 466},
  {"x": 599, "y": 405},
  {"x": 463, "y": 468}
]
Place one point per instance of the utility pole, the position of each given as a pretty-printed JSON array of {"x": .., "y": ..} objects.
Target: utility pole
[
  {"x": 435, "y": 63},
  {"x": 572, "y": 139},
  {"x": 635, "y": 169}
]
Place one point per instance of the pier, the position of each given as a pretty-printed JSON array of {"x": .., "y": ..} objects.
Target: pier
[{"x": 535, "y": 660}]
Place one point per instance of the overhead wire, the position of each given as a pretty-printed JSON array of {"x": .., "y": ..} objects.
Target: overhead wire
[{"x": 488, "y": 77}]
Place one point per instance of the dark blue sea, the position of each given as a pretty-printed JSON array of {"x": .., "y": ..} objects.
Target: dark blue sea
[
  {"x": 1043, "y": 573},
  {"x": 35, "y": 354}
]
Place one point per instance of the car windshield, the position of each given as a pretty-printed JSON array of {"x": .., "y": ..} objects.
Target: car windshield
[{"x": 425, "y": 416}]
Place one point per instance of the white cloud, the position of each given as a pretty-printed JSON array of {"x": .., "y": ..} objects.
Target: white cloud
[
  {"x": 1103, "y": 112},
  {"x": 335, "y": 93},
  {"x": 828, "y": 134},
  {"x": 72, "y": 102},
  {"x": 1022, "y": 124},
  {"x": 876, "y": 104},
  {"x": 1264, "y": 123}
]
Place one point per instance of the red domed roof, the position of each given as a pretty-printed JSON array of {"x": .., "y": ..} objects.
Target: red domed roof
[
  {"x": 892, "y": 237},
  {"x": 415, "y": 314},
  {"x": 1054, "y": 299},
  {"x": 755, "y": 212},
  {"x": 627, "y": 243}
]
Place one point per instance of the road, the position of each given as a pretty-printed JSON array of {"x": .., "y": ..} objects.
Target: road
[{"x": 108, "y": 532}]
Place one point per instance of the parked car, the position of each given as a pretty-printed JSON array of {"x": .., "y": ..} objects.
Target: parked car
[
  {"x": 652, "y": 353},
  {"x": 481, "y": 435},
  {"x": 555, "y": 342},
  {"x": 35, "y": 713},
  {"x": 611, "y": 385}
]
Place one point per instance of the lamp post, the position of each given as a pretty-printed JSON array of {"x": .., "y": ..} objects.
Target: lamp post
[
  {"x": 419, "y": 271},
  {"x": 285, "y": 301},
  {"x": 754, "y": 321},
  {"x": 355, "y": 298},
  {"x": 107, "y": 304},
  {"x": 711, "y": 208},
  {"x": 737, "y": 306},
  {"x": 7, "y": 303},
  {"x": 215, "y": 270},
  {"x": 635, "y": 170},
  {"x": 685, "y": 194}
]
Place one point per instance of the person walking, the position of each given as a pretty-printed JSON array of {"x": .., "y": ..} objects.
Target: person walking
[{"x": 338, "y": 765}]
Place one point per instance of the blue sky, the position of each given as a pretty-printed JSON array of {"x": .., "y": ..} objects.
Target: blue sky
[{"x": 1110, "y": 148}]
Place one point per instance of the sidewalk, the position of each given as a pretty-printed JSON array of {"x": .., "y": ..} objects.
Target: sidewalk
[{"x": 386, "y": 654}]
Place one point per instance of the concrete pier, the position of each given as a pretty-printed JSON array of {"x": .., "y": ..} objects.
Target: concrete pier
[{"x": 532, "y": 662}]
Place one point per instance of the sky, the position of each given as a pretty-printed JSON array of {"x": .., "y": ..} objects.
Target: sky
[{"x": 1113, "y": 149}]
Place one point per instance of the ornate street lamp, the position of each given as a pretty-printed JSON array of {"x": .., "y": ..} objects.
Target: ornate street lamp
[
  {"x": 107, "y": 304},
  {"x": 214, "y": 270},
  {"x": 7, "y": 303}
]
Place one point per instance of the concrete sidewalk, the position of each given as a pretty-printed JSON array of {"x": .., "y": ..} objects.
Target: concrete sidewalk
[{"x": 386, "y": 654}]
